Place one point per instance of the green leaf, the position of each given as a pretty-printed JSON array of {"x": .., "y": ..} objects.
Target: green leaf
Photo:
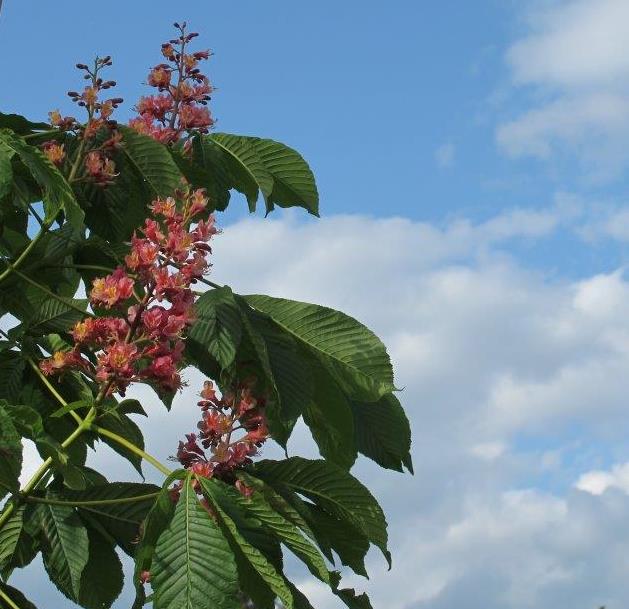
[
  {"x": 65, "y": 547},
  {"x": 193, "y": 567},
  {"x": 10, "y": 452},
  {"x": 55, "y": 190},
  {"x": 254, "y": 556},
  {"x": 251, "y": 165},
  {"x": 17, "y": 547},
  {"x": 293, "y": 181},
  {"x": 152, "y": 161},
  {"x": 123, "y": 426},
  {"x": 286, "y": 532},
  {"x": 349, "y": 543},
  {"x": 146, "y": 171},
  {"x": 16, "y": 596},
  {"x": 215, "y": 336},
  {"x": 329, "y": 417},
  {"x": 353, "y": 600},
  {"x": 351, "y": 353},
  {"x": 204, "y": 167},
  {"x": 11, "y": 371},
  {"x": 331, "y": 488},
  {"x": 102, "y": 578},
  {"x": 383, "y": 432},
  {"x": 71, "y": 407},
  {"x": 281, "y": 363},
  {"x": 247, "y": 171},
  {"x": 122, "y": 519},
  {"x": 158, "y": 518},
  {"x": 6, "y": 172}
]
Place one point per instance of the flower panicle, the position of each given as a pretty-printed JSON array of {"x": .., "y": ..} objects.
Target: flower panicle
[
  {"x": 98, "y": 165},
  {"x": 152, "y": 295},
  {"x": 231, "y": 431},
  {"x": 179, "y": 107}
]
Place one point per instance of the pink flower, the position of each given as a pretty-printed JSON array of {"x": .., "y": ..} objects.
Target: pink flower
[
  {"x": 110, "y": 290},
  {"x": 143, "y": 254},
  {"x": 159, "y": 76}
]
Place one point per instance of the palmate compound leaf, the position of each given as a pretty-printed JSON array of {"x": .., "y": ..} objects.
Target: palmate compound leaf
[
  {"x": 331, "y": 488},
  {"x": 349, "y": 351},
  {"x": 56, "y": 193},
  {"x": 215, "y": 493},
  {"x": 193, "y": 566}
]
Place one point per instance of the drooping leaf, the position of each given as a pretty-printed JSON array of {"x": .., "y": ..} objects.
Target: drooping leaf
[
  {"x": 285, "y": 531},
  {"x": 102, "y": 578},
  {"x": 350, "y": 352},
  {"x": 329, "y": 417},
  {"x": 65, "y": 547},
  {"x": 347, "y": 540},
  {"x": 17, "y": 546},
  {"x": 263, "y": 567},
  {"x": 157, "y": 520},
  {"x": 193, "y": 567},
  {"x": 123, "y": 517},
  {"x": 383, "y": 432},
  {"x": 353, "y": 600},
  {"x": 215, "y": 335},
  {"x": 293, "y": 181},
  {"x": 11, "y": 371},
  {"x": 333, "y": 489},
  {"x": 282, "y": 366},
  {"x": 250, "y": 165},
  {"x": 246, "y": 170}
]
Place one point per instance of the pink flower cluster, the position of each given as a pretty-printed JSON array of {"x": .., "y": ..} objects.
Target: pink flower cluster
[
  {"x": 183, "y": 93},
  {"x": 153, "y": 289},
  {"x": 97, "y": 164},
  {"x": 237, "y": 411}
]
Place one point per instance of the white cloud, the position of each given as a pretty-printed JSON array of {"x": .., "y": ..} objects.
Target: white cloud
[
  {"x": 598, "y": 481},
  {"x": 496, "y": 362},
  {"x": 579, "y": 43},
  {"x": 574, "y": 57}
]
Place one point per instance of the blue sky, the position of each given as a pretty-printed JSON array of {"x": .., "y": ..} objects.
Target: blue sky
[{"x": 471, "y": 159}]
